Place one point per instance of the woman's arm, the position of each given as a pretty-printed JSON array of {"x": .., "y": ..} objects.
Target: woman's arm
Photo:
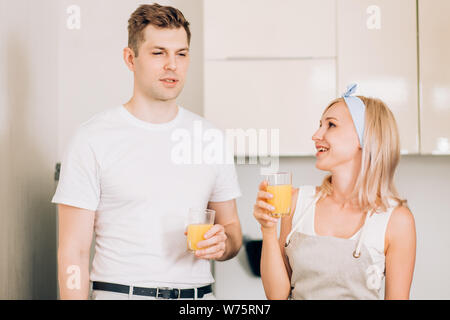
[
  {"x": 274, "y": 274},
  {"x": 400, "y": 254},
  {"x": 274, "y": 271}
]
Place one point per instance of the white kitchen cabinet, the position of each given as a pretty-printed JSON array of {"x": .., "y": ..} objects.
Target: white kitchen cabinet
[
  {"x": 434, "y": 51},
  {"x": 289, "y": 95},
  {"x": 269, "y": 28},
  {"x": 377, "y": 48}
]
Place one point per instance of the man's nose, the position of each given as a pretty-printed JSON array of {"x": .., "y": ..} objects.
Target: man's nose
[{"x": 171, "y": 63}]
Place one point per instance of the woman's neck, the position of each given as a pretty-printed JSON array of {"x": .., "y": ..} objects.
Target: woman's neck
[{"x": 344, "y": 182}]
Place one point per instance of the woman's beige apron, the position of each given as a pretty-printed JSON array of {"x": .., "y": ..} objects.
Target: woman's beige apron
[{"x": 330, "y": 268}]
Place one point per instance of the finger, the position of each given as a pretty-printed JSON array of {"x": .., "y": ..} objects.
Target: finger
[
  {"x": 213, "y": 250},
  {"x": 258, "y": 209},
  {"x": 264, "y": 195},
  {"x": 265, "y": 218},
  {"x": 262, "y": 216},
  {"x": 263, "y": 185},
  {"x": 265, "y": 205},
  {"x": 217, "y": 228},
  {"x": 214, "y": 256},
  {"x": 217, "y": 239}
]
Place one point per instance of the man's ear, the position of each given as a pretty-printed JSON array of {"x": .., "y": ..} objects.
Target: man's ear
[{"x": 129, "y": 58}]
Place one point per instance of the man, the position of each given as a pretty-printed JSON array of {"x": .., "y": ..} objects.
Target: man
[{"x": 119, "y": 178}]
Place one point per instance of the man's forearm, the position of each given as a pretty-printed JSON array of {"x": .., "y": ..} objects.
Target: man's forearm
[{"x": 73, "y": 276}]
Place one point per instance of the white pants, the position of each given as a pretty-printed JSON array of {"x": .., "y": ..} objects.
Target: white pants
[{"x": 108, "y": 295}]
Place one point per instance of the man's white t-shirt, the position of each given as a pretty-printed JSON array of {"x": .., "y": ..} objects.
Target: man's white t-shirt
[{"x": 129, "y": 172}]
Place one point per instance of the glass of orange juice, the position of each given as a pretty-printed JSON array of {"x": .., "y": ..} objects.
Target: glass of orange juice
[
  {"x": 199, "y": 222},
  {"x": 280, "y": 186}
]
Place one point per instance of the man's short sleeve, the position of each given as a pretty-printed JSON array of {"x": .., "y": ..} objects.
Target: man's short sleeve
[
  {"x": 226, "y": 186},
  {"x": 79, "y": 181}
]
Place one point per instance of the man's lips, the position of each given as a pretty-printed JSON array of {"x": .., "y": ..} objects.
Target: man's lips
[{"x": 169, "y": 82}]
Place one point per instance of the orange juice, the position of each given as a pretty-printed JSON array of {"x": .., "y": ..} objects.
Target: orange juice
[
  {"x": 196, "y": 234},
  {"x": 282, "y": 197}
]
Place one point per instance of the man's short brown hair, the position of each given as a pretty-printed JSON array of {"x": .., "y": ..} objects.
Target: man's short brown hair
[{"x": 157, "y": 16}]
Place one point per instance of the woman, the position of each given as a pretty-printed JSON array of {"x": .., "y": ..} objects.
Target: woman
[{"x": 345, "y": 237}]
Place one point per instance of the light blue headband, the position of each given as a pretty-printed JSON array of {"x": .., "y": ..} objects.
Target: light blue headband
[{"x": 357, "y": 110}]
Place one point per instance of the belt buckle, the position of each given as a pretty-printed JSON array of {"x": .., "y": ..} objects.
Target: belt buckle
[{"x": 167, "y": 295}]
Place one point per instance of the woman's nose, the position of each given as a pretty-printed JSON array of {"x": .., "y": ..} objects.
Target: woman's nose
[{"x": 318, "y": 135}]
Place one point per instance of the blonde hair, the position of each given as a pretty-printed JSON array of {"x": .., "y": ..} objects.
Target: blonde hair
[{"x": 375, "y": 186}]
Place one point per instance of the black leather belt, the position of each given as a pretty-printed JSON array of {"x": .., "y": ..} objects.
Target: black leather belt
[{"x": 162, "y": 293}]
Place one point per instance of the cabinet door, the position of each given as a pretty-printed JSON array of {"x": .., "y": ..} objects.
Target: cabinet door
[
  {"x": 377, "y": 48},
  {"x": 434, "y": 50},
  {"x": 269, "y": 28},
  {"x": 289, "y": 95}
]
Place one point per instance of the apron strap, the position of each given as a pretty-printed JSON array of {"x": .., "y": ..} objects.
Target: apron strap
[
  {"x": 357, "y": 252},
  {"x": 316, "y": 197}
]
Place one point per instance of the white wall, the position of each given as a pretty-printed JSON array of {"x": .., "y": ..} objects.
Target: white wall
[
  {"x": 27, "y": 149},
  {"x": 422, "y": 180}
]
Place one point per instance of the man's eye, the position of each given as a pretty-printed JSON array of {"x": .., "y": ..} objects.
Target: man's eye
[
  {"x": 182, "y": 54},
  {"x": 157, "y": 53},
  {"x": 331, "y": 124}
]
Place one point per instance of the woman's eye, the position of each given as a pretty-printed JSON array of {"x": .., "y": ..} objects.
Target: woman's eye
[
  {"x": 331, "y": 124},
  {"x": 157, "y": 53}
]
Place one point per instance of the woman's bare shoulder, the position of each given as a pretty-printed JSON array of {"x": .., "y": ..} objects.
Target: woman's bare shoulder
[
  {"x": 401, "y": 218},
  {"x": 401, "y": 226}
]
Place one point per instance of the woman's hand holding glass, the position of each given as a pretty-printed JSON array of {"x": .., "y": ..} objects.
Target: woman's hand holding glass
[{"x": 263, "y": 211}]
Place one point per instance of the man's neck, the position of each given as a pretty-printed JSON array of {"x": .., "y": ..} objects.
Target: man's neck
[{"x": 152, "y": 111}]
